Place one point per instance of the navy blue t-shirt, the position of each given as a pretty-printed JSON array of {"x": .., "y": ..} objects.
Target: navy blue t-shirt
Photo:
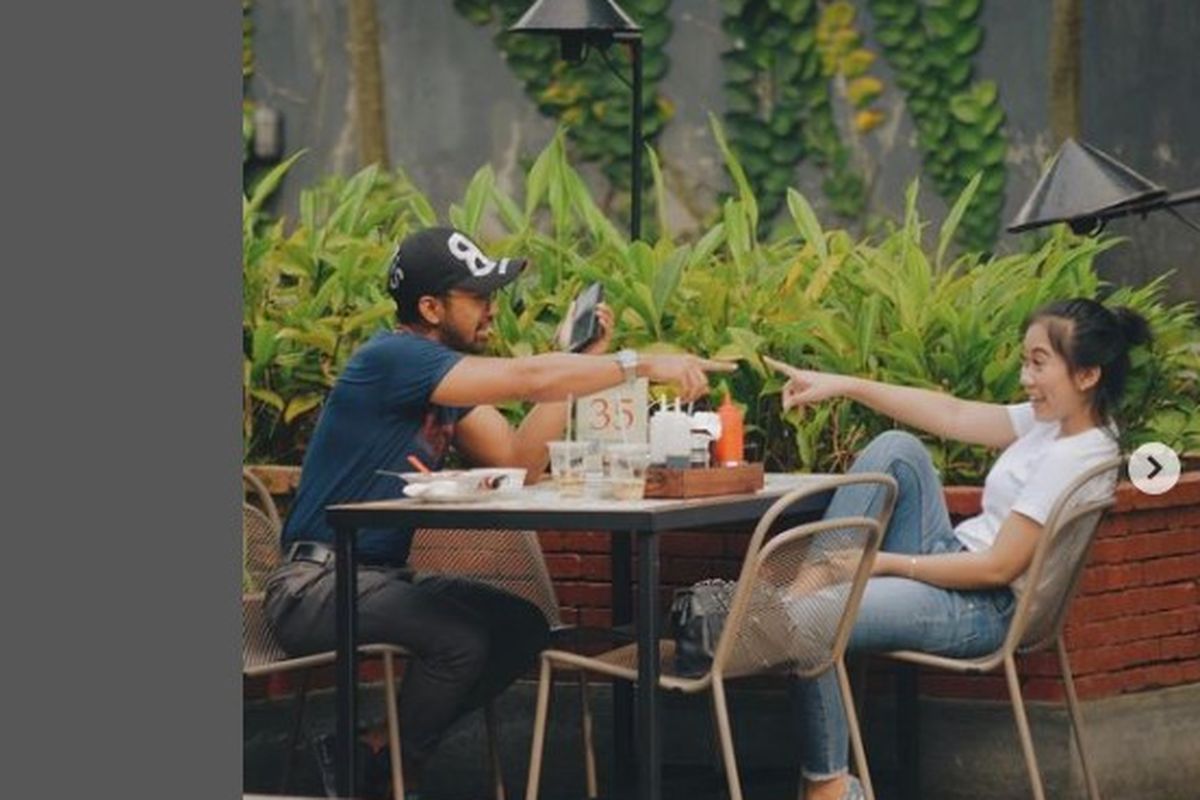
[{"x": 377, "y": 415}]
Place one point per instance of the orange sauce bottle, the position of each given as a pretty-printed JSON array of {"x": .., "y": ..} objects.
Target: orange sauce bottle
[{"x": 728, "y": 450}]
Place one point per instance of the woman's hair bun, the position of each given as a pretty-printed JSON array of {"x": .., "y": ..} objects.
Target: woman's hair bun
[{"x": 1133, "y": 325}]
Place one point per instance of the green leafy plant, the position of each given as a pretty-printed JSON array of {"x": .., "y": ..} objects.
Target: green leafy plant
[
  {"x": 896, "y": 306},
  {"x": 312, "y": 295}
]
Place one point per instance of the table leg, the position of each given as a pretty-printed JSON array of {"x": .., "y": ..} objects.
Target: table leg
[
  {"x": 346, "y": 613},
  {"x": 621, "y": 560},
  {"x": 908, "y": 730},
  {"x": 648, "y": 711}
]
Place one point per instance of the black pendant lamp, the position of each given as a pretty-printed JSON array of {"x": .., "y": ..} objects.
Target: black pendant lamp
[
  {"x": 576, "y": 22},
  {"x": 1085, "y": 187}
]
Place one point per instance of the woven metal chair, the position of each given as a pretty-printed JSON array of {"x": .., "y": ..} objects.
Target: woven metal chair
[
  {"x": 791, "y": 613},
  {"x": 1044, "y": 595},
  {"x": 509, "y": 560},
  {"x": 261, "y": 653},
  {"x": 260, "y": 533}
]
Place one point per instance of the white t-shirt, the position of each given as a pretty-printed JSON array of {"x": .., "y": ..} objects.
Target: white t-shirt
[{"x": 1032, "y": 472}]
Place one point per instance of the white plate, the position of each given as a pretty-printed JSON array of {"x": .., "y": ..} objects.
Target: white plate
[
  {"x": 447, "y": 492},
  {"x": 460, "y": 486}
]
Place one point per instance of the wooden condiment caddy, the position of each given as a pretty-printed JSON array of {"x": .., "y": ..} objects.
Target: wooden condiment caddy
[{"x": 703, "y": 482}]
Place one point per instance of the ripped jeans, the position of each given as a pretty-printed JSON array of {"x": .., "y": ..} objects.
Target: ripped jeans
[{"x": 898, "y": 613}]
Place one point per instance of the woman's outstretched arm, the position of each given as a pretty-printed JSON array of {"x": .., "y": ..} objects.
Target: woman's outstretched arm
[{"x": 938, "y": 413}]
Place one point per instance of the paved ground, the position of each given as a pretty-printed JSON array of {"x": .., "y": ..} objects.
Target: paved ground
[
  {"x": 762, "y": 733},
  {"x": 679, "y": 781}
]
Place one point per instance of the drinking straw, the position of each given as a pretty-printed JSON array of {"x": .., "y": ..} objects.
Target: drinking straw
[
  {"x": 418, "y": 464},
  {"x": 570, "y": 413}
]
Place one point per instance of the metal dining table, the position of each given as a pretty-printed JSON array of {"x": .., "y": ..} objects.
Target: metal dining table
[{"x": 541, "y": 508}]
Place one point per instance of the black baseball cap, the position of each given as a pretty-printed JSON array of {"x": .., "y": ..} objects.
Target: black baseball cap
[{"x": 435, "y": 260}]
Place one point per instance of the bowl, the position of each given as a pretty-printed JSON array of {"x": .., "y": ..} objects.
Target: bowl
[{"x": 427, "y": 477}]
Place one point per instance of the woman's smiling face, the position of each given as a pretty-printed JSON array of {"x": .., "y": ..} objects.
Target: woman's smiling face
[{"x": 1056, "y": 394}]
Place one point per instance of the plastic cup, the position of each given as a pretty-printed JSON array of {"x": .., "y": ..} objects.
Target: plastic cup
[
  {"x": 568, "y": 466},
  {"x": 627, "y": 463}
]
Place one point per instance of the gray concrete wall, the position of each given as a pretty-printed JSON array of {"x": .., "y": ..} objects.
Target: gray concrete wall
[{"x": 453, "y": 105}]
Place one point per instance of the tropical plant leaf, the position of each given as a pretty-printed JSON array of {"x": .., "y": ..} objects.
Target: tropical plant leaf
[
  {"x": 266, "y": 186},
  {"x": 806, "y": 223},
  {"x": 950, "y": 226}
]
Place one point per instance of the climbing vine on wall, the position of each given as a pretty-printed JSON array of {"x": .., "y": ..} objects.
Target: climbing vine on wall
[
  {"x": 846, "y": 65},
  {"x": 789, "y": 61},
  {"x": 592, "y": 102},
  {"x": 778, "y": 106},
  {"x": 247, "y": 72},
  {"x": 959, "y": 121}
]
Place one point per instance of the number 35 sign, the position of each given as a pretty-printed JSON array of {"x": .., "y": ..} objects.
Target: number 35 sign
[{"x": 616, "y": 414}]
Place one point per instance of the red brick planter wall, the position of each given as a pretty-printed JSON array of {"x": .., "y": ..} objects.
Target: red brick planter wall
[{"x": 1134, "y": 625}]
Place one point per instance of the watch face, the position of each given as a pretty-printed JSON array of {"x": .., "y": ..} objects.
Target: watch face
[{"x": 627, "y": 360}]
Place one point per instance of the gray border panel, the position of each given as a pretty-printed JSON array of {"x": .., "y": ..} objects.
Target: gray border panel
[{"x": 121, "y": 161}]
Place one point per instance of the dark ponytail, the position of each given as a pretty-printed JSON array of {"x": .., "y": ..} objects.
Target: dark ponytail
[{"x": 1088, "y": 334}]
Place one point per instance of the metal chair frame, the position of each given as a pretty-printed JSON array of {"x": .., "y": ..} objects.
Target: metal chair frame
[
  {"x": 620, "y": 664},
  {"x": 1033, "y": 629}
]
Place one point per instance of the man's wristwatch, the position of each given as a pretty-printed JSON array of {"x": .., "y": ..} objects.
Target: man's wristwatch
[{"x": 628, "y": 361}]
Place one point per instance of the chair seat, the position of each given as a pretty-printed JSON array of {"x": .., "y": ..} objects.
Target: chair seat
[
  {"x": 977, "y": 665},
  {"x": 589, "y": 640},
  {"x": 622, "y": 663},
  {"x": 255, "y": 665}
]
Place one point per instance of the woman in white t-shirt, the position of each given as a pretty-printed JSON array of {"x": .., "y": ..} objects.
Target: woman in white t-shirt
[{"x": 948, "y": 590}]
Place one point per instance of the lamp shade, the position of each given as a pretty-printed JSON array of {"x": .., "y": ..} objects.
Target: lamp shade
[
  {"x": 574, "y": 16},
  {"x": 1082, "y": 187}
]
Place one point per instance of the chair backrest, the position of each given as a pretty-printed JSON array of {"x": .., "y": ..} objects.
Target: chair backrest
[
  {"x": 509, "y": 560},
  {"x": 799, "y": 589},
  {"x": 1046, "y": 588},
  {"x": 260, "y": 548},
  {"x": 259, "y": 648},
  {"x": 257, "y": 494},
  {"x": 260, "y": 555},
  {"x": 260, "y": 534}
]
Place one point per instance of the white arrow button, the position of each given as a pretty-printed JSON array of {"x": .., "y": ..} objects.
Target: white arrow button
[{"x": 1154, "y": 468}]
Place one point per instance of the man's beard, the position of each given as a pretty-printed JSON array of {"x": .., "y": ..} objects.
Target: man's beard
[{"x": 452, "y": 339}]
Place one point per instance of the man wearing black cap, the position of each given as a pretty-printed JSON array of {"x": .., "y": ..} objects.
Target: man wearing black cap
[{"x": 411, "y": 392}]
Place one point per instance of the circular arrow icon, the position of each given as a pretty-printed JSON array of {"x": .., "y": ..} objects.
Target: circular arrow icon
[{"x": 1154, "y": 468}]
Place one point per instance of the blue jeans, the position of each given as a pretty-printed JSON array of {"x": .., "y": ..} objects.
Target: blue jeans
[{"x": 898, "y": 613}]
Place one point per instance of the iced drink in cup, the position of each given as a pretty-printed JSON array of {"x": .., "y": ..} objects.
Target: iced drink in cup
[
  {"x": 627, "y": 463},
  {"x": 568, "y": 465}
]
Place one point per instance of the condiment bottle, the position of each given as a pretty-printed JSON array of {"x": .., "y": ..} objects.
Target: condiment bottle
[
  {"x": 679, "y": 438},
  {"x": 728, "y": 450}
]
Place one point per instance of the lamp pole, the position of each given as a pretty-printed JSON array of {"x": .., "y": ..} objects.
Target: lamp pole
[{"x": 583, "y": 25}]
